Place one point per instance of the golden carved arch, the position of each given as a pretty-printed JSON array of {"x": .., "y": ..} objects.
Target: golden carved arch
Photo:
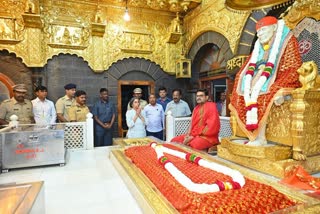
[
  {"x": 202, "y": 31},
  {"x": 18, "y": 54},
  {"x": 215, "y": 17},
  {"x": 134, "y": 57},
  {"x": 210, "y": 37}
]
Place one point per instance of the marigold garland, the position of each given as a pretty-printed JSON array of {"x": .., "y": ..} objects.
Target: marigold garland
[
  {"x": 237, "y": 182},
  {"x": 251, "y": 92}
]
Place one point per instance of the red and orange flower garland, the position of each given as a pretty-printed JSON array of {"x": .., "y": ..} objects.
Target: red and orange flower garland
[
  {"x": 237, "y": 182},
  {"x": 252, "y": 91},
  {"x": 254, "y": 197}
]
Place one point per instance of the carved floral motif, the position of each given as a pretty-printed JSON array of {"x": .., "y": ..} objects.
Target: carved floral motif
[
  {"x": 67, "y": 28},
  {"x": 11, "y": 22},
  {"x": 301, "y": 9}
]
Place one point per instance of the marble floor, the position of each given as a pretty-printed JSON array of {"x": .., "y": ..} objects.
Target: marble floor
[{"x": 88, "y": 183}]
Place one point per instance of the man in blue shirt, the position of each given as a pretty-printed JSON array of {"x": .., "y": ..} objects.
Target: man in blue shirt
[
  {"x": 221, "y": 104},
  {"x": 104, "y": 115},
  {"x": 163, "y": 99}
]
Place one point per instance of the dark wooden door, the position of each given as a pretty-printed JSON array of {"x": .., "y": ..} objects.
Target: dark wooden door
[{"x": 125, "y": 91}]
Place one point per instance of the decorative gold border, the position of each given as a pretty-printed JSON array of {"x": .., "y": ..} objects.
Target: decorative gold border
[
  {"x": 32, "y": 20},
  {"x": 126, "y": 50},
  {"x": 9, "y": 41},
  {"x": 272, "y": 153},
  {"x": 30, "y": 195},
  {"x": 98, "y": 29},
  {"x": 132, "y": 142},
  {"x": 64, "y": 46}
]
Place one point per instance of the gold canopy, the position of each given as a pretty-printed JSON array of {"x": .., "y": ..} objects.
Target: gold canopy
[{"x": 253, "y": 4}]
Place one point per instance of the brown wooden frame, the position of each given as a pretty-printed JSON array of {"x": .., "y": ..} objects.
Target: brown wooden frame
[
  {"x": 151, "y": 88},
  {"x": 204, "y": 84}
]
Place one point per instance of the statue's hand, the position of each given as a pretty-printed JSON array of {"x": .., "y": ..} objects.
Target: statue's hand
[
  {"x": 297, "y": 155},
  {"x": 279, "y": 100}
]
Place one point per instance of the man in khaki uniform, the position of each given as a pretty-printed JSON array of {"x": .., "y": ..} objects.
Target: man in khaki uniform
[
  {"x": 18, "y": 106},
  {"x": 137, "y": 92},
  {"x": 65, "y": 102},
  {"x": 79, "y": 111}
]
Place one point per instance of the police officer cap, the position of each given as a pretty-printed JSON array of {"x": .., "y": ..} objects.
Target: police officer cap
[
  {"x": 20, "y": 88},
  {"x": 70, "y": 86},
  {"x": 137, "y": 91}
]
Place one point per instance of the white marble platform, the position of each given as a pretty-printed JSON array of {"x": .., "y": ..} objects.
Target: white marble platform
[{"x": 88, "y": 183}]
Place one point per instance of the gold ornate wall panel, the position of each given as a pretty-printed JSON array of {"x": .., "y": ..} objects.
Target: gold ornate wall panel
[
  {"x": 311, "y": 134},
  {"x": 11, "y": 21},
  {"x": 279, "y": 122},
  {"x": 97, "y": 49},
  {"x": 12, "y": 30},
  {"x": 146, "y": 39},
  {"x": 35, "y": 54},
  {"x": 212, "y": 15},
  {"x": 66, "y": 27},
  {"x": 25, "y": 42},
  {"x": 137, "y": 42}
]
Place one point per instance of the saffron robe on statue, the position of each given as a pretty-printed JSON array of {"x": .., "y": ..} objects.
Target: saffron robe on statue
[
  {"x": 285, "y": 78},
  {"x": 205, "y": 126}
]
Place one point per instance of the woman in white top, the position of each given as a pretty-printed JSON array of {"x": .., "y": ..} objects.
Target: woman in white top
[{"x": 136, "y": 120}]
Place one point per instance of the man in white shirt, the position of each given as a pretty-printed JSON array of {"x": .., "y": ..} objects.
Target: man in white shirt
[
  {"x": 154, "y": 118},
  {"x": 43, "y": 109},
  {"x": 178, "y": 107}
]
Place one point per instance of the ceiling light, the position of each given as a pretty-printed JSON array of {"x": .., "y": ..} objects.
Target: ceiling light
[{"x": 126, "y": 16}]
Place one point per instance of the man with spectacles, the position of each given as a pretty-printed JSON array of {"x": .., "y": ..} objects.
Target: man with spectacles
[{"x": 205, "y": 124}]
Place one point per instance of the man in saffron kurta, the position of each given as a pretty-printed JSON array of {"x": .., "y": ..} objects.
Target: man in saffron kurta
[{"x": 205, "y": 124}]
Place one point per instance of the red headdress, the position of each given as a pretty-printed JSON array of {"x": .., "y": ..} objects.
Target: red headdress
[{"x": 265, "y": 21}]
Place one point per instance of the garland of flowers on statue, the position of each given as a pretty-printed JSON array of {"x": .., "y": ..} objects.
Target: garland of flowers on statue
[
  {"x": 237, "y": 182},
  {"x": 251, "y": 93}
]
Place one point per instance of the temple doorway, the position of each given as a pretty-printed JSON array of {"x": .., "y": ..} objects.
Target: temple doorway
[
  {"x": 125, "y": 75},
  {"x": 125, "y": 88},
  {"x": 210, "y": 62}
]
